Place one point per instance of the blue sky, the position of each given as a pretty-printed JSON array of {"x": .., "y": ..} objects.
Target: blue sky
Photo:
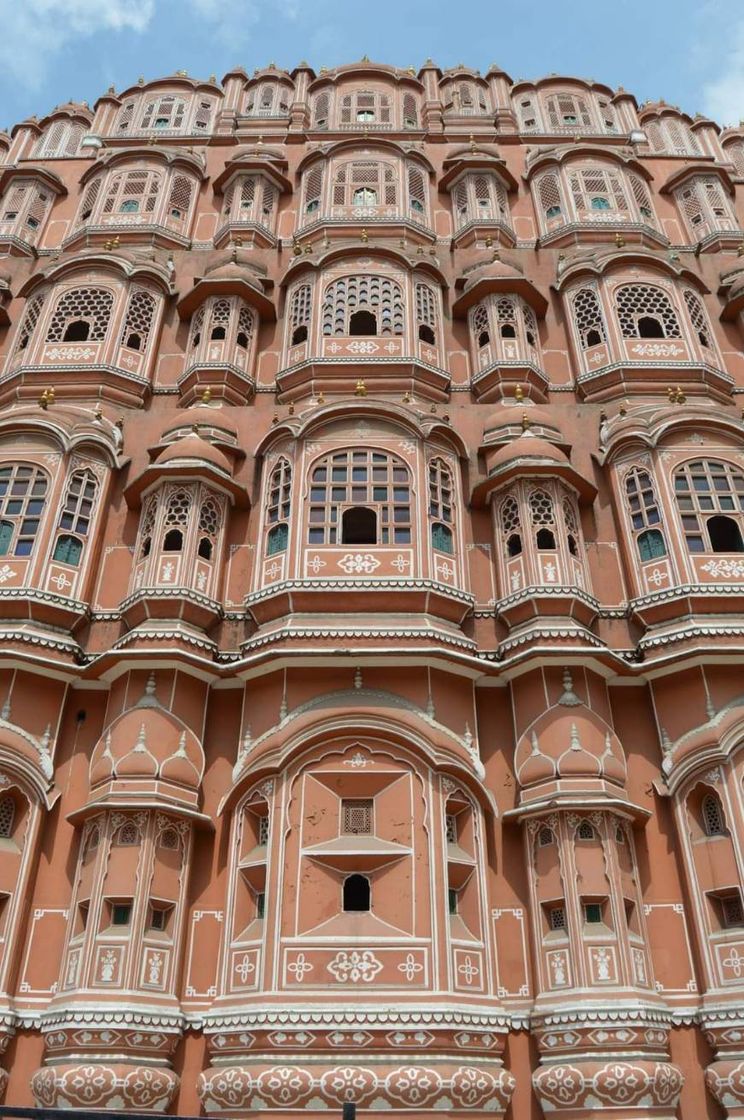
[{"x": 690, "y": 53}]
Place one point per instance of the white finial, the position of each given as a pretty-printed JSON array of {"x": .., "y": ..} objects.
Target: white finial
[
  {"x": 181, "y": 752},
  {"x": 666, "y": 744},
  {"x": 568, "y": 699},
  {"x": 468, "y": 737},
  {"x": 5, "y": 713},
  {"x": 358, "y": 678},
  {"x": 535, "y": 745},
  {"x": 45, "y": 738},
  {"x": 140, "y": 747},
  {"x": 430, "y": 710},
  {"x": 283, "y": 709},
  {"x": 150, "y": 686},
  {"x": 575, "y": 741}
]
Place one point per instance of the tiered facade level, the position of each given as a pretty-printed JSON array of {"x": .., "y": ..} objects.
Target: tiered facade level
[{"x": 372, "y": 599}]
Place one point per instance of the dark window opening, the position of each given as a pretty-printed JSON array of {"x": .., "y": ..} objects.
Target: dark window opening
[
  {"x": 205, "y": 548},
  {"x": 426, "y": 334},
  {"x": 146, "y": 546},
  {"x": 514, "y": 545},
  {"x": 545, "y": 539},
  {"x": 592, "y": 337},
  {"x": 173, "y": 541},
  {"x": 218, "y": 333},
  {"x": 362, "y": 323},
  {"x": 593, "y": 913},
  {"x": 76, "y": 331},
  {"x": 703, "y": 338},
  {"x": 530, "y": 338},
  {"x": 260, "y": 905},
  {"x": 357, "y": 894},
  {"x": 484, "y": 338},
  {"x": 572, "y": 546},
  {"x": 452, "y": 901},
  {"x": 359, "y": 526},
  {"x": 651, "y": 545},
  {"x": 725, "y": 535},
  {"x": 134, "y": 342},
  {"x": 277, "y": 539},
  {"x": 508, "y": 331},
  {"x": 299, "y": 334},
  {"x": 120, "y": 914},
  {"x": 650, "y": 328},
  {"x": 242, "y": 340},
  {"x": 441, "y": 538},
  {"x": 68, "y": 550}
]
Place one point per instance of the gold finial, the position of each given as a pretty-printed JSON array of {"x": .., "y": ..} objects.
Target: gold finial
[
  {"x": 213, "y": 79},
  {"x": 323, "y": 70},
  {"x": 411, "y": 70},
  {"x": 526, "y": 422},
  {"x": 259, "y": 142},
  {"x": 619, "y": 240},
  {"x": 275, "y": 419},
  {"x": 296, "y": 249},
  {"x": 365, "y": 58},
  {"x": 472, "y": 142},
  {"x": 495, "y": 256},
  {"x": 111, "y": 89},
  {"x": 141, "y": 80},
  {"x": 206, "y": 396},
  {"x": 519, "y": 393},
  {"x": 50, "y": 395},
  {"x": 364, "y": 237},
  {"x": 182, "y": 73},
  {"x": 740, "y": 250},
  {"x": 98, "y": 413},
  {"x": 624, "y": 408},
  {"x": 675, "y": 395},
  {"x": 406, "y": 397},
  {"x": 488, "y": 242},
  {"x": 361, "y": 389},
  {"x": 43, "y": 400},
  {"x": 433, "y": 408},
  {"x": 291, "y": 410},
  {"x": 321, "y": 398}
]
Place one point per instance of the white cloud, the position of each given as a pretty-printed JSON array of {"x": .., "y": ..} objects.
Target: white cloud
[
  {"x": 723, "y": 97},
  {"x": 33, "y": 31},
  {"x": 232, "y": 22}
]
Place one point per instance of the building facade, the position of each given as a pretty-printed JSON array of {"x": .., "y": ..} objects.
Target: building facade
[{"x": 371, "y": 599}]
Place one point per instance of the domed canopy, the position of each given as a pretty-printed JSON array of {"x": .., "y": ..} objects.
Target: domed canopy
[
  {"x": 568, "y": 750},
  {"x": 497, "y": 276},
  {"x": 193, "y": 448},
  {"x": 202, "y": 416},
  {"x": 533, "y": 457},
  {"x": 511, "y": 413},
  {"x": 147, "y": 755}
]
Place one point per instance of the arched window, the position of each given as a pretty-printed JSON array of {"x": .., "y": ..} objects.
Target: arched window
[
  {"x": 321, "y": 110},
  {"x": 175, "y": 524},
  {"x": 179, "y": 199},
  {"x": 549, "y": 195},
  {"x": 379, "y": 296},
  {"x": 568, "y": 112},
  {"x": 25, "y": 205},
  {"x": 410, "y": 111},
  {"x": 571, "y": 521},
  {"x": 585, "y": 831},
  {"x": 23, "y": 490},
  {"x": 712, "y": 815},
  {"x": 365, "y": 107},
  {"x": 164, "y": 113},
  {"x": 542, "y": 515},
  {"x": 441, "y": 506},
  {"x": 366, "y": 479},
  {"x": 61, "y": 139},
  {"x": 7, "y": 816},
  {"x": 300, "y": 310},
  {"x": 75, "y": 517},
  {"x": 511, "y": 527},
  {"x": 357, "y": 894},
  {"x": 278, "y": 507},
  {"x": 210, "y": 522},
  {"x": 312, "y": 189},
  {"x": 599, "y": 189},
  {"x": 698, "y": 318},
  {"x": 588, "y": 318},
  {"x": 127, "y": 835},
  {"x": 735, "y": 152},
  {"x": 223, "y": 321},
  {"x": 426, "y": 313},
  {"x": 710, "y": 499},
  {"x": 147, "y": 525},
  {"x": 138, "y": 320},
  {"x": 480, "y": 326},
  {"x": 545, "y": 837},
  {"x": 644, "y": 311},
  {"x": 644, "y": 514},
  {"x": 33, "y": 312},
  {"x": 81, "y": 315},
  {"x": 671, "y": 135},
  {"x": 132, "y": 192},
  {"x": 366, "y": 183}
]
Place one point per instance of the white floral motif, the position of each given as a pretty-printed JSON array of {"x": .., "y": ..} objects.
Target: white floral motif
[
  {"x": 469, "y": 970},
  {"x": 657, "y": 576},
  {"x": 70, "y": 353},
  {"x": 6, "y": 573},
  {"x": 602, "y": 963},
  {"x": 726, "y": 568},
  {"x": 166, "y": 573},
  {"x": 656, "y": 350},
  {"x": 244, "y": 968},
  {"x": 358, "y": 562},
  {"x": 108, "y": 966},
  {"x": 315, "y": 564},
  {"x": 154, "y": 968},
  {"x": 354, "y": 966},
  {"x": 409, "y": 967},
  {"x": 401, "y": 562},
  {"x": 61, "y": 581},
  {"x": 356, "y": 760},
  {"x": 299, "y": 966},
  {"x": 367, "y": 347},
  {"x": 734, "y": 962}
]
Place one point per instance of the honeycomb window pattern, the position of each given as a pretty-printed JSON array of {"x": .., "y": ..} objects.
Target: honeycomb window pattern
[
  {"x": 89, "y": 306},
  {"x": 637, "y": 304}
]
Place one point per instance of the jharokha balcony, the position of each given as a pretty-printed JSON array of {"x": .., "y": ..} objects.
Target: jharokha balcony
[{"x": 346, "y": 330}]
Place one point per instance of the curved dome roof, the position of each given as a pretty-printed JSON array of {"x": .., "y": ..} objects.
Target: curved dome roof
[
  {"x": 511, "y": 413},
  {"x": 148, "y": 746},
  {"x": 569, "y": 741},
  {"x": 201, "y": 416},
  {"x": 528, "y": 447},
  {"x": 193, "y": 448}
]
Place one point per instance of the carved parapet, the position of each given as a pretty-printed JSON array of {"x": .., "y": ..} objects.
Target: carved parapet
[
  {"x": 630, "y": 1088},
  {"x": 97, "y": 1085},
  {"x": 473, "y": 1088}
]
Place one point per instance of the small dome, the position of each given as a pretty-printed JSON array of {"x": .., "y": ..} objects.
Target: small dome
[
  {"x": 192, "y": 448},
  {"x": 528, "y": 447},
  {"x": 494, "y": 270},
  {"x": 148, "y": 744},
  {"x": 572, "y": 742},
  {"x": 203, "y": 416}
]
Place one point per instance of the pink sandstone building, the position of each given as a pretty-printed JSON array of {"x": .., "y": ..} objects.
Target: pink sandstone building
[{"x": 372, "y": 599}]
